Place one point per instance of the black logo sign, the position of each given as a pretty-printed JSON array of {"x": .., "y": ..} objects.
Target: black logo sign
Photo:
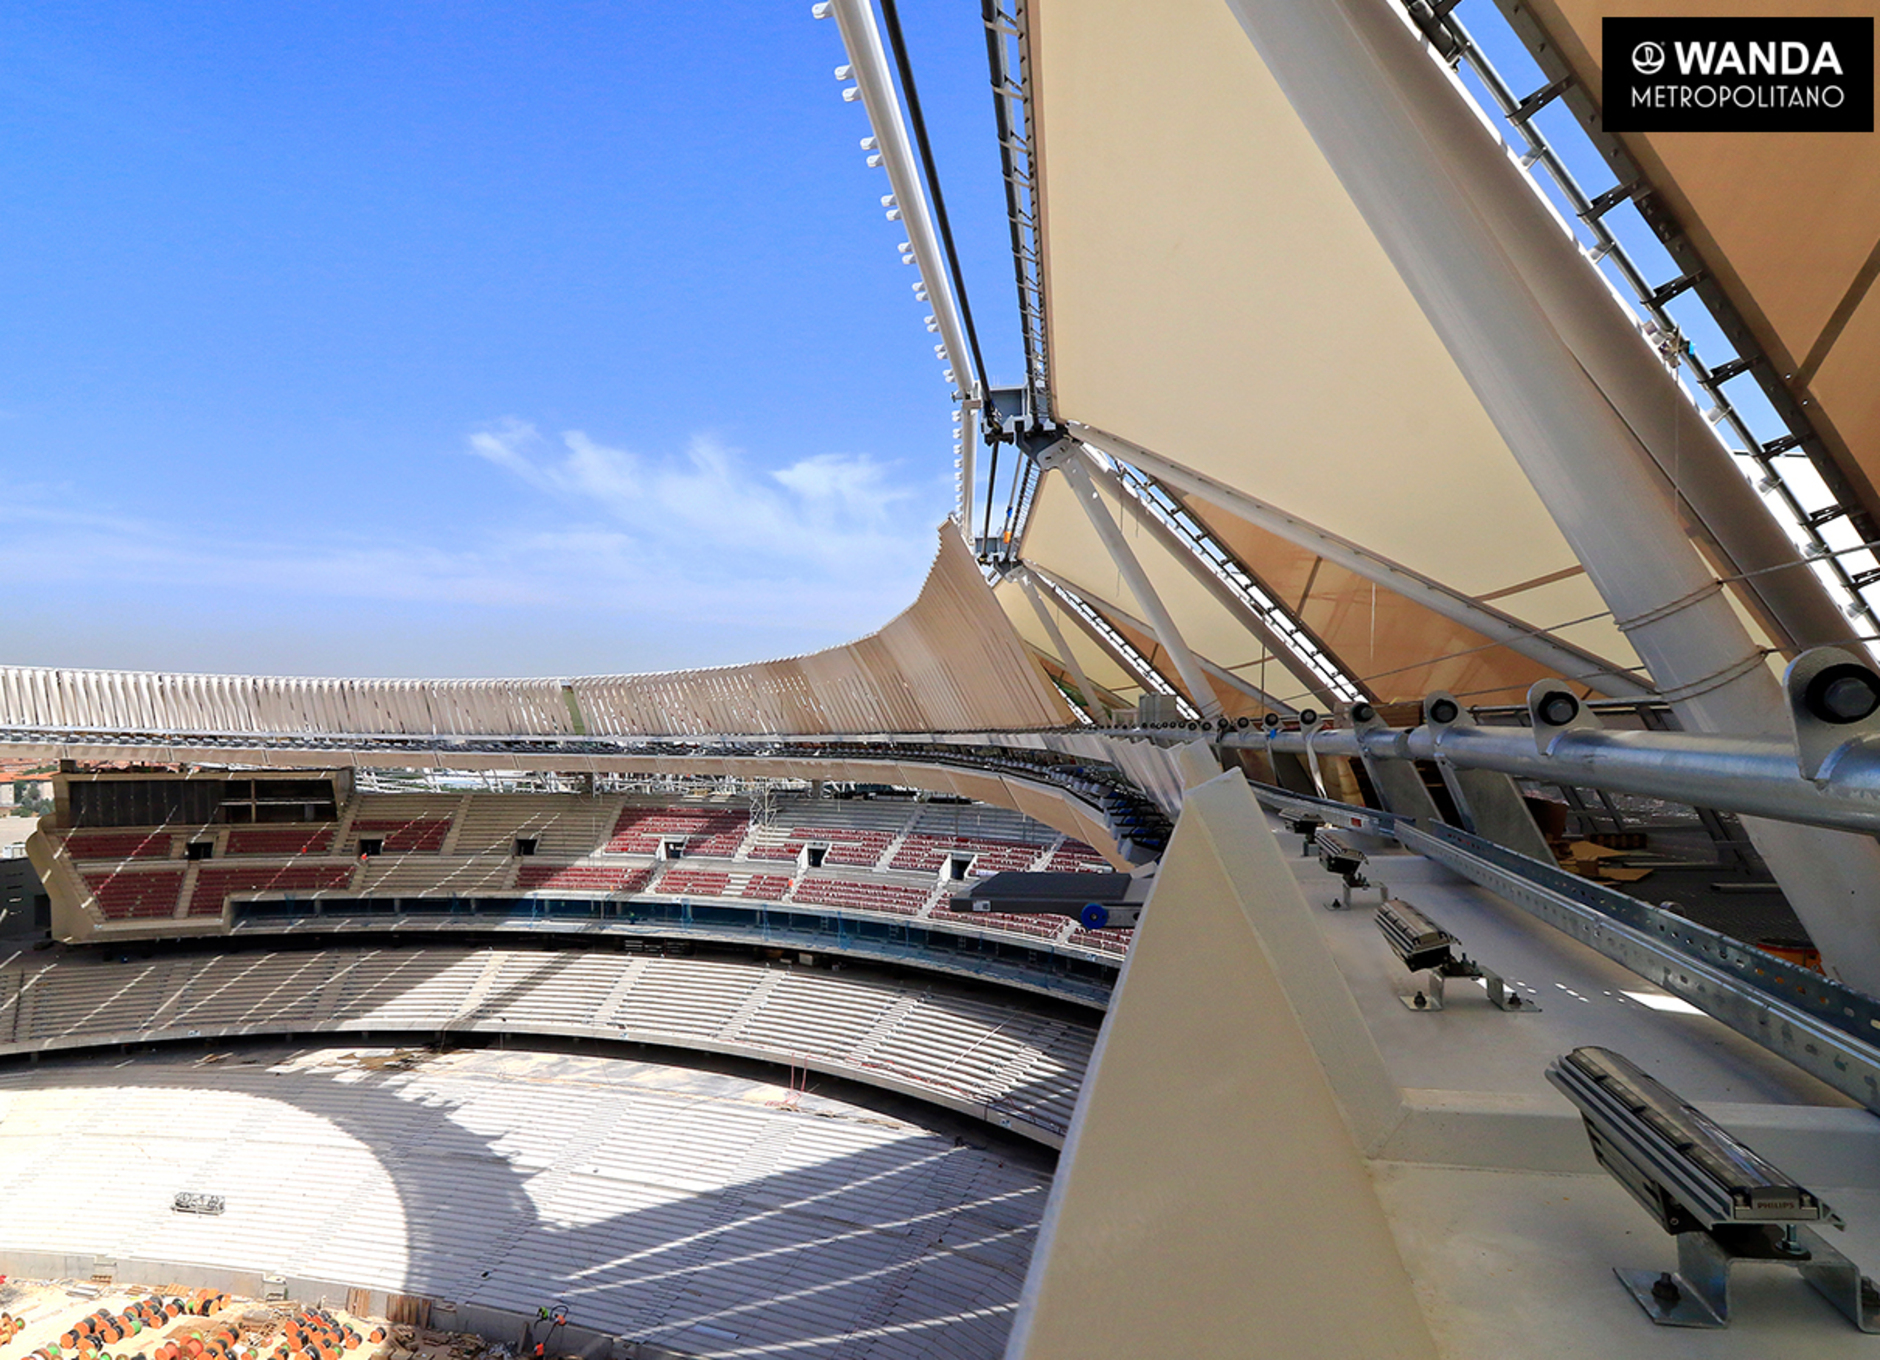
[{"x": 1738, "y": 75}]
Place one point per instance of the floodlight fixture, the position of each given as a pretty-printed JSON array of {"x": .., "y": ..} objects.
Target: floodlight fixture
[
  {"x": 1722, "y": 1200},
  {"x": 845, "y": 72},
  {"x": 851, "y": 94}
]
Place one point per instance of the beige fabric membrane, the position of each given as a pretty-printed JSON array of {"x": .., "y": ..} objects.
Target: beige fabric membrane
[
  {"x": 1215, "y": 297},
  {"x": 1098, "y": 665},
  {"x": 1059, "y": 538},
  {"x": 1789, "y": 224}
]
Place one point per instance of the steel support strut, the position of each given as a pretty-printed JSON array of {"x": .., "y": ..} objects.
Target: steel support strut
[
  {"x": 1582, "y": 666},
  {"x": 1099, "y": 714},
  {"x": 1445, "y": 205},
  {"x": 1070, "y": 459}
]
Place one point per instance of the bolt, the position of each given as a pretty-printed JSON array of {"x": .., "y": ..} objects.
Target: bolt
[{"x": 1665, "y": 1289}]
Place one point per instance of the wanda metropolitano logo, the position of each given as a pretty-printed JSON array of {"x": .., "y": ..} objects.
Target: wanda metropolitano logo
[{"x": 1738, "y": 75}]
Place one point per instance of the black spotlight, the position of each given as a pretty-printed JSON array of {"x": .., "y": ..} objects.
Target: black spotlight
[
  {"x": 1308, "y": 716},
  {"x": 1557, "y": 708},
  {"x": 1845, "y": 693},
  {"x": 1362, "y": 713},
  {"x": 1243, "y": 721},
  {"x": 1271, "y": 720},
  {"x": 1445, "y": 711}
]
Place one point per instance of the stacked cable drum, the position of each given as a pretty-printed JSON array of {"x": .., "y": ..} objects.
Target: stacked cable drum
[
  {"x": 315, "y": 1334},
  {"x": 92, "y": 1337}
]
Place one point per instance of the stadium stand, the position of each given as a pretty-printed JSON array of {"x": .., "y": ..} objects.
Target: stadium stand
[
  {"x": 129, "y": 896},
  {"x": 215, "y": 883},
  {"x": 1041, "y": 927},
  {"x": 859, "y": 896},
  {"x": 1076, "y": 857},
  {"x": 119, "y": 844},
  {"x": 428, "y": 876},
  {"x": 695, "y": 882},
  {"x": 583, "y": 878},
  {"x": 561, "y": 824},
  {"x": 493, "y": 846},
  {"x": 280, "y": 840},
  {"x": 862, "y": 849},
  {"x": 985, "y": 1055},
  {"x": 667, "y": 1205},
  {"x": 710, "y": 833},
  {"x": 421, "y": 834},
  {"x": 1110, "y": 941},
  {"x": 921, "y": 853}
]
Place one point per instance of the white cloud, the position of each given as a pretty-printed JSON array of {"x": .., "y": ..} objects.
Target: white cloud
[
  {"x": 627, "y": 563},
  {"x": 835, "y": 508}
]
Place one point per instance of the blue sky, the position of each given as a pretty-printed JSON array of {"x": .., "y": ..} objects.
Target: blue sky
[{"x": 467, "y": 339}]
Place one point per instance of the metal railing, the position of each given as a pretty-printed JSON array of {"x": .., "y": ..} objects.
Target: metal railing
[
  {"x": 1825, "y": 1028},
  {"x": 1028, "y": 963}
]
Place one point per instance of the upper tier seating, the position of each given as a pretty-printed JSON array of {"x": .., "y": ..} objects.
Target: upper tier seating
[
  {"x": 404, "y": 836},
  {"x": 280, "y": 840},
  {"x": 978, "y": 821},
  {"x": 215, "y": 883},
  {"x": 711, "y": 832},
  {"x": 862, "y": 849},
  {"x": 924, "y": 854},
  {"x": 1076, "y": 857},
  {"x": 583, "y": 878},
  {"x": 766, "y": 887},
  {"x": 119, "y": 844},
  {"x": 694, "y": 882},
  {"x": 854, "y": 896},
  {"x": 562, "y": 825},
  {"x": 133, "y": 895},
  {"x": 1111, "y": 941}
]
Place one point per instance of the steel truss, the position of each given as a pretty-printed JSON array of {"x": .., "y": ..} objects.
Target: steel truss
[{"x": 1451, "y": 43}]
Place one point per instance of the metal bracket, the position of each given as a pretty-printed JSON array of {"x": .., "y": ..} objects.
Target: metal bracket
[
  {"x": 1429, "y": 997},
  {"x": 1601, "y": 204},
  {"x": 1343, "y": 902},
  {"x": 1553, "y": 708},
  {"x": 1697, "y": 1294},
  {"x": 1834, "y": 705},
  {"x": 1539, "y": 100},
  {"x": 1661, "y": 295}
]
